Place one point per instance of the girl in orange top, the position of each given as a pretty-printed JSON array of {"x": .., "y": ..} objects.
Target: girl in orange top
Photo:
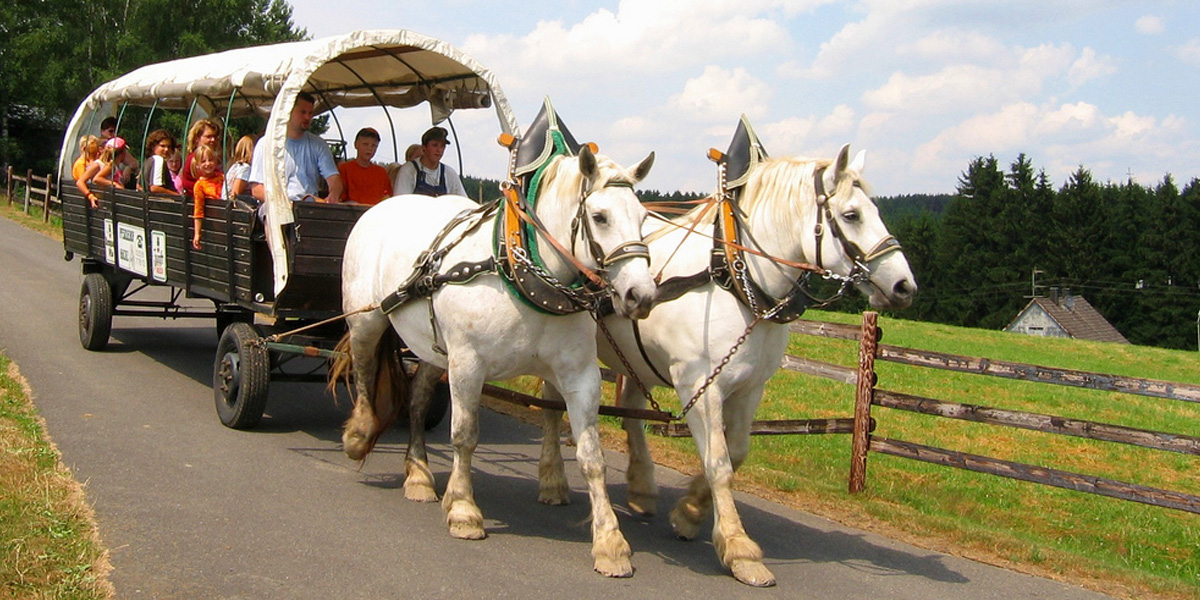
[{"x": 210, "y": 183}]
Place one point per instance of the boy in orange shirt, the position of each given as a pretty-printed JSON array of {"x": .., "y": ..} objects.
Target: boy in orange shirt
[
  {"x": 365, "y": 182},
  {"x": 210, "y": 183}
]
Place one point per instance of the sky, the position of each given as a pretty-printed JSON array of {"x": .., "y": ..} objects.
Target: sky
[{"x": 924, "y": 86}]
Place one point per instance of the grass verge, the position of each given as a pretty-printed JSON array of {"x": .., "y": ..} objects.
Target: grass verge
[{"x": 49, "y": 544}]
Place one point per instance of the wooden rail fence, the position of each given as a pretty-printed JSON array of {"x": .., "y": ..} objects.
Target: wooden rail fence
[{"x": 48, "y": 200}]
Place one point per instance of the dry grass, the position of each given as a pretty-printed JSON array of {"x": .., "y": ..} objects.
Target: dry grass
[{"x": 49, "y": 544}]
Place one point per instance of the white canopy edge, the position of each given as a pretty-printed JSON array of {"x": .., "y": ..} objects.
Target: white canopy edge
[{"x": 273, "y": 74}]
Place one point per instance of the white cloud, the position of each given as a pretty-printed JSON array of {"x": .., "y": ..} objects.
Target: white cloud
[
  {"x": 955, "y": 45},
  {"x": 717, "y": 94},
  {"x": 1149, "y": 25},
  {"x": 1089, "y": 66},
  {"x": 1189, "y": 52}
]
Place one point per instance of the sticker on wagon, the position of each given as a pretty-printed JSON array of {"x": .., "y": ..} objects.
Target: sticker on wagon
[{"x": 131, "y": 248}]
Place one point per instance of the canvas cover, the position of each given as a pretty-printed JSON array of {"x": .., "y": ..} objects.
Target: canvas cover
[{"x": 395, "y": 67}]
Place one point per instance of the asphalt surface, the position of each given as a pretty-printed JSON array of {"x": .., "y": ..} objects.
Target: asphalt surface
[{"x": 191, "y": 509}]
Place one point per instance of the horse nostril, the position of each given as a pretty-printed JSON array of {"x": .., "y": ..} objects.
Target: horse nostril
[{"x": 902, "y": 288}]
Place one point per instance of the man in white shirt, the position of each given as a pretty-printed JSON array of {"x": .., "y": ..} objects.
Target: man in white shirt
[
  {"x": 426, "y": 174},
  {"x": 308, "y": 159}
]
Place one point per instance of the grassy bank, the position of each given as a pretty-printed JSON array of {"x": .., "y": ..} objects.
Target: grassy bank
[{"x": 49, "y": 546}]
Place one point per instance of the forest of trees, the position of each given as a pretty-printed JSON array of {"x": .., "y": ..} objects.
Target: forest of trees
[
  {"x": 55, "y": 52},
  {"x": 1129, "y": 249}
]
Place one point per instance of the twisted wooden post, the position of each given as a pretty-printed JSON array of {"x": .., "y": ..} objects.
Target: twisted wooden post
[{"x": 864, "y": 395}]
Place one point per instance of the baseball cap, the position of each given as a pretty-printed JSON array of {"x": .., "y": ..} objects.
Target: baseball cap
[
  {"x": 367, "y": 132},
  {"x": 115, "y": 143},
  {"x": 434, "y": 133}
]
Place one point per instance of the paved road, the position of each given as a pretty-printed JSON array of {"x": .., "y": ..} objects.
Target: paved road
[{"x": 191, "y": 509}]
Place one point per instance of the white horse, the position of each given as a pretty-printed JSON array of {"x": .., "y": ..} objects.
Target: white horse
[
  {"x": 688, "y": 337},
  {"x": 476, "y": 330}
]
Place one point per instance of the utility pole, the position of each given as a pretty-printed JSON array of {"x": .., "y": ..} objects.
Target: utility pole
[{"x": 1033, "y": 286}]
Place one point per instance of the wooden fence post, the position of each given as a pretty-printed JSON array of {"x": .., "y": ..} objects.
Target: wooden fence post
[
  {"x": 8, "y": 186},
  {"x": 864, "y": 394},
  {"x": 28, "y": 188},
  {"x": 46, "y": 205}
]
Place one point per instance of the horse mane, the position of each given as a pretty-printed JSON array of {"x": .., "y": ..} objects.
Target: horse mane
[
  {"x": 778, "y": 183},
  {"x": 556, "y": 169}
]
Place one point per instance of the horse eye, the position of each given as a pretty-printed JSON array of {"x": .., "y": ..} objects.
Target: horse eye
[
  {"x": 850, "y": 216},
  {"x": 600, "y": 218}
]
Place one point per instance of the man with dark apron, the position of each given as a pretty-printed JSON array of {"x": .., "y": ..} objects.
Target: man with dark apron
[{"x": 426, "y": 174}]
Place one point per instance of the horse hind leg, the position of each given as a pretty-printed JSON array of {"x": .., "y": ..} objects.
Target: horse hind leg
[
  {"x": 380, "y": 392},
  {"x": 418, "y": 479},
  {"x": 552, "y": 478},
  {"x": 642, "y": 495}
]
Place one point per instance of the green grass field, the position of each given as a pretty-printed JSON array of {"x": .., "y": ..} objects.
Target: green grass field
[{"x": 1120, "y": 547}]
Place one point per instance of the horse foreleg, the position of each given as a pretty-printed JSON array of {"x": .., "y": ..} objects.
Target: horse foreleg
[
  {"x": 418, "y": 479},
  {"x": 552, "y": 477},
  {"x": 727, "y": 452},
  {"x": 462, "y": 514},
  {"x": 643, "y": 488},
  {"x": 610, "y": 550}
]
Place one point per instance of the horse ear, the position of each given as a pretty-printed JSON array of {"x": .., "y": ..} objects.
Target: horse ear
[
  {"x": 643, "y": 168},
  {"x": 859, "y": 162},
  {"x": 831, "y": 174},
  {"x": 587, "y": 162}
]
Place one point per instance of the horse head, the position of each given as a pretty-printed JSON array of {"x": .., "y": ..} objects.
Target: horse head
[
  {"x": 859, "y": 240},
  {"x": 610, "y": 219}
]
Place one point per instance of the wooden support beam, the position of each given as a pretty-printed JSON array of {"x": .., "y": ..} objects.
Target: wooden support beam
[
  {"x": 1038, "y": 422},
  {"x": 1013, "y": 370},
  {"x": 507, "y": 395},
  {"x": 781, "y": 427},
  {"x": 863, "y": 396},
  {"x": 1046, "y": 476}
]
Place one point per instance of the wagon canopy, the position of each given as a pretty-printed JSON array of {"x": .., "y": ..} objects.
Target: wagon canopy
[{"x": 396, "y": 68}]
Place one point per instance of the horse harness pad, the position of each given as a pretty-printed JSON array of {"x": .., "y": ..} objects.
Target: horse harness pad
[{"x": 425, "y": 279}]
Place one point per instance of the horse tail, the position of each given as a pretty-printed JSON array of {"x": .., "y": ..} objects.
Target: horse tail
[{"x": 340, "y": 367}]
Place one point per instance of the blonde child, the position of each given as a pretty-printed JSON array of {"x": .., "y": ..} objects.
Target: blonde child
[
  {"x": 101, "y": 171},
  {"x": 89, "y": 152},
  {"x": 210, "y": 184},
  {"x": 238, "y": 173}
]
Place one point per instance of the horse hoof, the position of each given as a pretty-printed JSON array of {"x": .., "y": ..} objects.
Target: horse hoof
[
  {"x": 685, "y": 528},
  {"x": 618, "y": 567},
  {"x": 554, "y": 496},
  {"x": 644, "y": 505},
  {"x": 467, "y": 531},
  {"x": 420, "y": 493},
  {"x": 753, "y": 573}
]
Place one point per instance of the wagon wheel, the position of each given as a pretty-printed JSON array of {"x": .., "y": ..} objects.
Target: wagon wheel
[
  {"x": 241, "y": 373},
  {"x": 95, "y": 311}
]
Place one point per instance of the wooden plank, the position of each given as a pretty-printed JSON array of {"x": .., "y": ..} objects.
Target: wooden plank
[
  {"x": 823, "y": 329},
  {"x": 1046, "y": 476},
  {"x": 1067, "y": 377},
  {"x": 780, "y": 427},
  {"x": 819, "y": 369},
  {"x": 506, "y": 395},
  {"x": 1038, "y": 422}
]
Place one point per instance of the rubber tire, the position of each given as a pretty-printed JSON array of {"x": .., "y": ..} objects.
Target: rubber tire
[
  {"x": 241, "y": 375},
  {"x": 95, "y": 312},
  {"x": 439, "y": 405}
]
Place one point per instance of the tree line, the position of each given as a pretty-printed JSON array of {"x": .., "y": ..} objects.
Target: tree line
[
  {"x": 1008, "y": 234},
  {"x": 55, "y": 52}
]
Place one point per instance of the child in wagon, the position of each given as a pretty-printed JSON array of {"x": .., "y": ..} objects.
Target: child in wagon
[{"x": 210, "y": 184}]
